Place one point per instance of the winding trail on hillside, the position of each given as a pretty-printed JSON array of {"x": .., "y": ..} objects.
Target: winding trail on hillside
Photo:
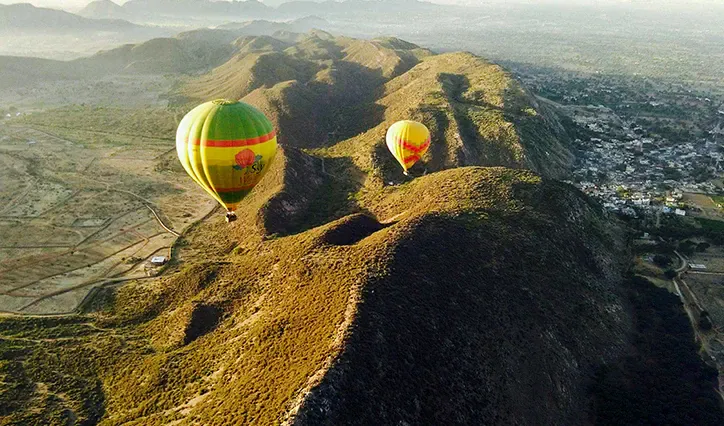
[
  {"x": 148, "y": 203},
  {"x": 143, "y": 241}
]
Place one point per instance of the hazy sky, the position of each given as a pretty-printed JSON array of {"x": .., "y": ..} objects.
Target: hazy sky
[
  {"x": 58, "y": 4},
  {"x": 77, "y": 4},
  {"x": 52, "y": 3}
]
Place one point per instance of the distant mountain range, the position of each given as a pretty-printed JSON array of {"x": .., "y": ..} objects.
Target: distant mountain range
[
  {"x": 24, "y": 18},
  {"x": 263, "y": 27},
  {"x": 189, "y": 52},
  {"x": 351, "y": 7},
  {"x": 108, "y": 16},
  {"x": 103, "y": 9},
  {"x": 249, "y": 9},
  {"x": 101, "y": 26}
]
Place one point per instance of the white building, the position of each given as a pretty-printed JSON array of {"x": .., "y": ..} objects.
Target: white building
[
  {"x": 642, "y": 201},
  {"x": 159, "y": 260}
]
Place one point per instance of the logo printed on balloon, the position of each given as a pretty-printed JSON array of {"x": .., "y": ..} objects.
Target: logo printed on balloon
[{"x": 245, "y": 158}]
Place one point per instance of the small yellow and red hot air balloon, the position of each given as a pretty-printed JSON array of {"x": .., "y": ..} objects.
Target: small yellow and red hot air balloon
[
  {"x": 408, "y": 141},
  {"x": 226, "y": 147}
]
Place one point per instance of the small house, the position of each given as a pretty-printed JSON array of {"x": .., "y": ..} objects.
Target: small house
[{"x": 159, "y": 260}]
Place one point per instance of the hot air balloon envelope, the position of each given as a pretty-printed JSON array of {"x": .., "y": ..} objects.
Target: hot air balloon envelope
[
  {"x": 226, "y": 147},
  {"x": 408, "y": 141}
]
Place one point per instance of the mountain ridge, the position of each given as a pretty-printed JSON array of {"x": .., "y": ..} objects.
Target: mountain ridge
[
  {"x": 474, "y": 290},
  {"x": 141, "y": 9},
  {"x": 304, "y": 308}
]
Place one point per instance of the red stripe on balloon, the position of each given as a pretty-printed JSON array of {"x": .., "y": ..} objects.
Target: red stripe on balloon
[
  {"x": 412, "y": 158},
  {"x": 241, "y": 188},
  {"x": 211, "y": 143},
  {"x": 418, "y": 149}
]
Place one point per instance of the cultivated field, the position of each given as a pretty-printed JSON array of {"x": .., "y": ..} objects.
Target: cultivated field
[
  {"x": 114, "y": 90},
  {"x": 713, "y": 258},
  {"x": 707, "y": 288},
  {"x": 83, "y": 207},
  {"x": 709, "y": 209}
]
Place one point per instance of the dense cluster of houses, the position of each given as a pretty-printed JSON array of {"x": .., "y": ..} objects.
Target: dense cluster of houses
[
  {"x": 627, "y": 171},
  {"x": 627, "y": 197}
]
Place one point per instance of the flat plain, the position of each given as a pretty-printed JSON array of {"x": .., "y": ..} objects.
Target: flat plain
[{"x": 86, "y": 205}]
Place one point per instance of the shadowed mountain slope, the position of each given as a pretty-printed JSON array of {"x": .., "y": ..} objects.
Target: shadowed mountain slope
[
  {"x": 492, "y": 339},
  {"x": 464, "y": 282},
  {"x": 321, "y": 89},
  {"x": 256, "y": 67},
  {"x": 477, "y": 113},
  {"x": 318, "y": 90}
]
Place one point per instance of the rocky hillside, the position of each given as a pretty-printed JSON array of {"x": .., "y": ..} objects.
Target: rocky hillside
[
  {"x": 471, "y": 293},
  {"x": 320, "y": 90},
  {"x": 347, "y": 293}
]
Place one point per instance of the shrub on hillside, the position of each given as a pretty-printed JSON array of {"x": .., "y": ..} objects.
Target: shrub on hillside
[{"x": 662, "y": 261}]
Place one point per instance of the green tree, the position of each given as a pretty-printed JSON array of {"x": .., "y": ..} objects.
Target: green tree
[
  {"x": 704, "y": 321},
  {"x": 687, "y": 247},
  {"x": 702, "y": 247},
  {"x": 662, "y": 261}
]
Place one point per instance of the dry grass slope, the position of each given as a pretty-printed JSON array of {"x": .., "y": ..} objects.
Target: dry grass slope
[
  {"x": 478, "y": 114},
  {"x": 317, "y": 91},
  {"x": 293, "y": 314},
  {"x": 470, "y": 294}
]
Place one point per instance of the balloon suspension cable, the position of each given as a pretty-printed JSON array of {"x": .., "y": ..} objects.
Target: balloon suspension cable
[{"x": 230, "y": 217}]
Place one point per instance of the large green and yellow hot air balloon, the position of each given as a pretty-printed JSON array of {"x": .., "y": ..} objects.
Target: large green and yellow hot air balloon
[
  {"x": 226, "y": 147},
  {"x": 408, "y": 141}
]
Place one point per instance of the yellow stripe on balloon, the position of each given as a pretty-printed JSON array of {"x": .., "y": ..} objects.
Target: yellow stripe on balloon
[{"x": 225, "y": 156}]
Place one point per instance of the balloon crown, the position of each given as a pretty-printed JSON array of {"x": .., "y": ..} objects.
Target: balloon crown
[{"x": 225, "y": 102}]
